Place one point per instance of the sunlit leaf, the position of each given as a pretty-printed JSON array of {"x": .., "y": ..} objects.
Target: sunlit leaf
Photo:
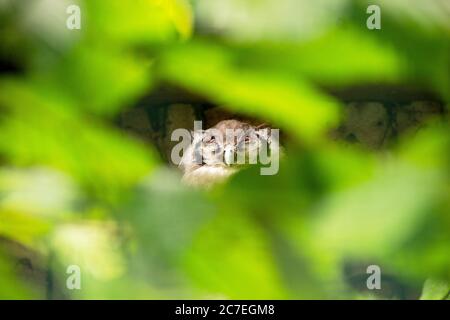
[{"x": 435, "y": 290}]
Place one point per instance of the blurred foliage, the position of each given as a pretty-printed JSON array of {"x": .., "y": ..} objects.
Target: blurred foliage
[{"x": 79, "y": 192}]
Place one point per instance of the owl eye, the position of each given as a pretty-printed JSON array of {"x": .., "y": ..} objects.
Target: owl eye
[{"x": 211, "y": 139}]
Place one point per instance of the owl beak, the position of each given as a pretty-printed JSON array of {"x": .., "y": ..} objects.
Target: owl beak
[{"x": 228, "y": 156}]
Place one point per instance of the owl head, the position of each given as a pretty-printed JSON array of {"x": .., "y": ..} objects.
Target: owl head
[
  {"x": 218, "y": 152},
  {"x": 229, "y": 143}
]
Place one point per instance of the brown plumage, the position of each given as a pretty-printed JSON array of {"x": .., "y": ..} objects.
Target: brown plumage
[{"x": 217, "y": 160}]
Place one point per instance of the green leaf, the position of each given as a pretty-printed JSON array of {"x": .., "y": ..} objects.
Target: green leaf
[
  {"x": 12, "y": 287},
  {"x": 434, "y": 289},
  {"x": 98, "y": 80},
  {"x": 48, "y": 131},
  {"x": 181, "y": 14},
  {"x": 142, "y": 21}
]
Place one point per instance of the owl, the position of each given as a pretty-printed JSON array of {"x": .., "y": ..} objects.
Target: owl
[{"x": 218, "y": 152}]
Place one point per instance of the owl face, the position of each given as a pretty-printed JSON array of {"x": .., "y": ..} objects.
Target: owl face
[
  {"x": 232, "y": 146},
  {"x": 216, "y": 153}
]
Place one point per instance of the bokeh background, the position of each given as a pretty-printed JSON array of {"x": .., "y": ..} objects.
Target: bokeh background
[{"x": 85, "y": 122}]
